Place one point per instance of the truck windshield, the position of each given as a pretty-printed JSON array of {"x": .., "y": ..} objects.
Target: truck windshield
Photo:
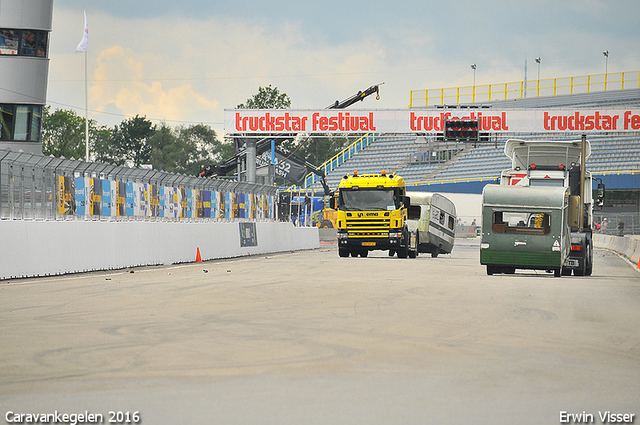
[{"x": 367, "y": 200}]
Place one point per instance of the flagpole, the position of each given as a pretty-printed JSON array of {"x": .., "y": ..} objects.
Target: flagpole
[{"x": 86, "y": 110}]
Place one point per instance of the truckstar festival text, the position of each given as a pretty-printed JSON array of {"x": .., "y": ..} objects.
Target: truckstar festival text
[{"x": 260, "y": 121}]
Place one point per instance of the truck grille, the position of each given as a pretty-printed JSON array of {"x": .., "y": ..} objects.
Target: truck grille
[{"x": 369, "y": 227}]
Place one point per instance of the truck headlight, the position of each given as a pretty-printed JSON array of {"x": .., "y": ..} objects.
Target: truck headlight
[
  {"x": 395, "y": 234},
  {"x": 484, "y": 245}
]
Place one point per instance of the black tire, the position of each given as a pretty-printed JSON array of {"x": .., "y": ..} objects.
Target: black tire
[
  {"x": 414, "y": 253},
  {"x": 434, "y": 254},
  {"x": 556, "y": 272},
  {"x": 589, "y": 261},
  {"x": 582, "y": 270},
  {"x": 509, "y": 270},
  {"x": 403, "y": 252},
  {"x": 391, "y": 253},
  {"x": 566, "y": 271},
  {"x": 343, "y": 252},
  {"x": 490, "y": 270},
  {"x": 326, "y": 224},
  {"x": 354, "y": 254},
  {"x": 364, "y": 253}
]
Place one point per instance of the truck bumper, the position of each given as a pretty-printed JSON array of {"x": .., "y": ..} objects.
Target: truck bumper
[
  {"x": 580, "y": 258},
  {"x": 371, "y": 243}
]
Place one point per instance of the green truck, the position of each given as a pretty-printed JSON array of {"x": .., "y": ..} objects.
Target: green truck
[{"x": 540, "y": 215}]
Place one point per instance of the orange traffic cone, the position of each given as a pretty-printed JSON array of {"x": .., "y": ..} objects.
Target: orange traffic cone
[
  {"x": 198, "y": 257},
  {"x": 638, "y": 267}
]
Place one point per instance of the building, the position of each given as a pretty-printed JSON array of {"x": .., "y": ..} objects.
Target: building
[{"x": 25, "y": 26}]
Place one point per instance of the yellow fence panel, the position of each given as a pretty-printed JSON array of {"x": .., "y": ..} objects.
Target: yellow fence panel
[{"x": 524, "y": 89}]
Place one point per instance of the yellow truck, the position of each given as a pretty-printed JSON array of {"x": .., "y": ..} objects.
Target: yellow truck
[{"x": 372, "y": 215}]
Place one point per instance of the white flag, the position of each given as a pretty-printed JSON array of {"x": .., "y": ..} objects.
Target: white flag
[{"x": 84, "y": 43}]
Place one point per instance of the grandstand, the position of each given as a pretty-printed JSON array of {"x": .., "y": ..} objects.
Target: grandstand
[{"x": 433, "y": 166}]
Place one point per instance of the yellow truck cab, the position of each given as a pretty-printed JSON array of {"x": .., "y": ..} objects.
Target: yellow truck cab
[{"x": 372, "y": 215}]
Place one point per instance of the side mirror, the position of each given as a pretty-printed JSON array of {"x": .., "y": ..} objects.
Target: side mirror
[
  {"x": 332, "y": 203},
  {"x": 406, "y": 201},
  {"x": 600, "y": 195}
]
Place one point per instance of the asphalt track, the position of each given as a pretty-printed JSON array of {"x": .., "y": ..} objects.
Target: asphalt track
[{"x": 311, "y": 338}]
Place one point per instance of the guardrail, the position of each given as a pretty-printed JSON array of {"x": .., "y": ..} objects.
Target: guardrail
[
  {"x": 35, "y": 187},
  {"x": 523, "y": 89}
]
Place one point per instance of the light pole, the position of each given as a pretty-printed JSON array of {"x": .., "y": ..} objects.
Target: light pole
[
  {"x": 538, "y": 62},
  {"x": 606, "y": 67},
  {"x": 473, "y": 66},
  {"x": 473, "y": 89}
]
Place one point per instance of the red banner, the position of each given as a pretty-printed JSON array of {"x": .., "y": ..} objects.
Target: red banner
[{"x": 273, "y": 121}]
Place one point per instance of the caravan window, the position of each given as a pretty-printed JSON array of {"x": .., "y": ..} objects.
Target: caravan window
[{"x": 521, "y": 222}]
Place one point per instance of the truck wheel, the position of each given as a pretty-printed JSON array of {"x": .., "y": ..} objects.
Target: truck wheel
[
  {"x": 434, "y": 254},
  {"x": 403, "y": 252},
  {"x": 582, "y": 270},
  {"x": 391, "y": 253},
  {"x": 326, "y": 224},
  {"x": 354, "y": 254},
  {"x": 413, "y": 253},
  {"x": 556, "y": 272},
  {"x": 566, "y": 271},
  {"x": 489, "y": 270},
  {"x": 364, "y": 253},
  {"x": 589, "y": 261},
  {"x": 343, "y": 252}
]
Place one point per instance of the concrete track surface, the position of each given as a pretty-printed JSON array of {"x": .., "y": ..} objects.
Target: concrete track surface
[{"x": 311, "y": 338}]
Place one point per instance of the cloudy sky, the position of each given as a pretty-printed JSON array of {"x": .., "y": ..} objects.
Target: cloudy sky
[{"x": 184, "y": 62}]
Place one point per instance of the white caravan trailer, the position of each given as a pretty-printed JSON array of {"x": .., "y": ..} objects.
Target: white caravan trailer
[{"x": 434, "y": 217}]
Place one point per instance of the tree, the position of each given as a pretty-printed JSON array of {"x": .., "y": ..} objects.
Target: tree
[
  {"x": 315, "y": 150},
  {"x": 130, "y": 143},
  {"x": 165, "y": 151},
  {"x": 205, "y": 148},
  {"x": 186, "y": 150},
  {"x": 267, "y": 98},
  {"x": 63, "y": 133},
  {"x": 321, "y": 148}
]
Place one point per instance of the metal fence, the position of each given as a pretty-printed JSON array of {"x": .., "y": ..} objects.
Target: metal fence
[
  {"x": 35, "y": 187},
  {"x": 524, "y": 89},
  {"x": 631, "y": 222}
]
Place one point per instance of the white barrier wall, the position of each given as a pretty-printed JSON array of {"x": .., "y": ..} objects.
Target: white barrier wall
[
  {"x": 626, "y": 246},
  {"x": 43, "y": 248}
]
